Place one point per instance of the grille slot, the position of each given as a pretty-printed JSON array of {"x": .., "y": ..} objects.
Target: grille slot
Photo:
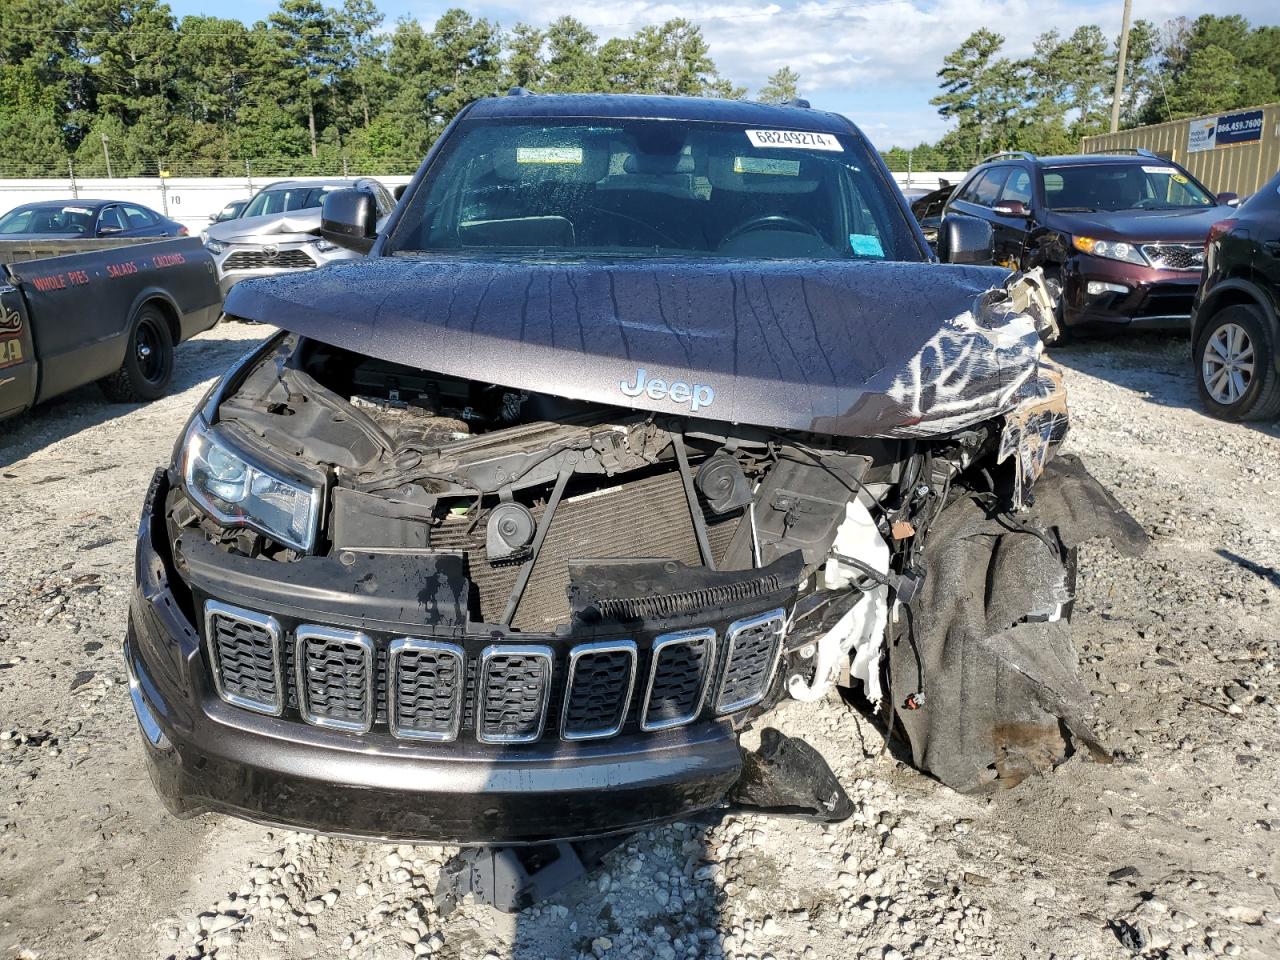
[
  {"x": 336, "y": 676},
  {"x": 258, "y": 260},
  {"x": 1175, "y": 256},
  {"x": 752, "y": 650},
  {"x": 425, "y": 689},
  {"x": 598, "y": 691},
  {"x": 515, "y": 682},
  {"x": 679, "y": 669},
  {"x": 244, "y": 655}
]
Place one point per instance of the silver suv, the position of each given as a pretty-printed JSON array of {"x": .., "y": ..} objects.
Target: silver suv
[{"x": 279, "y": 230}]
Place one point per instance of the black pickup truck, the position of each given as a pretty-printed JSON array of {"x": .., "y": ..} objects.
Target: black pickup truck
[{"x": 104, "y": 310}]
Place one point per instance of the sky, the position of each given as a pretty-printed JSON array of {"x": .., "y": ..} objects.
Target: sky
[{"x": 872, "y": 60}]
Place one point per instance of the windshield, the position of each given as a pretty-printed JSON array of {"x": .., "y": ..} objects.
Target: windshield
[
  {"x": 1122, "y": 186},
  {"x": 655, "y": 188},
  {"x": 284, "y": 199},
  {"x": 46, "y": 219}
]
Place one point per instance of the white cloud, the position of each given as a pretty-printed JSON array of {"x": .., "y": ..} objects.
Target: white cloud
[{"x": 875, "y": 60}]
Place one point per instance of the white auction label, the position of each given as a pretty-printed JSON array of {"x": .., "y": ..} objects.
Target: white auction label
[{"x": 794, "y": 140}]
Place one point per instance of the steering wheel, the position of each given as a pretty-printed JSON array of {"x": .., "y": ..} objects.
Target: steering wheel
[{"x": 770, "y": 221}]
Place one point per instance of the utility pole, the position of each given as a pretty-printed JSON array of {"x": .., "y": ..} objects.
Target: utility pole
[
  {"x": 1121, "y": 54},
  {"x": 106, "y": 155}
]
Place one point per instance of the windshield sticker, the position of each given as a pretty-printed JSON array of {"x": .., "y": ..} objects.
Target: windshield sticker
[
  {"x": 866, "y": 245},
  {"x": 776, "y": 168},
  {"x": 84, "y": 210},
  {"x": 1166, "y": 170},
  {"x": 794, "y": 140},
  {"x": 1179, "y": 178},
  {"x": 553, "y": 155}
]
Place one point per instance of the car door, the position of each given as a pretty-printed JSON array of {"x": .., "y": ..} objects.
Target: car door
[
  {"x": 1009, "y": 230},
  {"x": 1264, "y": 221},
  {"x": 979, "y": 194},
  {"x": 142, "y": 222}
]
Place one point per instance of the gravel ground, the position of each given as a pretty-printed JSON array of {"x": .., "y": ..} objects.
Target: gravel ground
[{"x": 1170, "y": 851}]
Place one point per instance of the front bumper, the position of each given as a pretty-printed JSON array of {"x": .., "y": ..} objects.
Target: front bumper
[
  {"x": 205, "y": 755},
  {"x": 1155, "y": 299}
]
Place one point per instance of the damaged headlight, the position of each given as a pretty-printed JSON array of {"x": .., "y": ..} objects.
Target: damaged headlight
[
  {"x": 1110, "y": 249},
  {"x": 239, "y": 493}
]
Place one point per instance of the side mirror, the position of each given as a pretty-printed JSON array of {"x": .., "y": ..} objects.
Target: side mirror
[
  {"x": 398, "y": 192},
  {"x": 965, "y": 240},
  {"x": 1011, "y": 208},
  {"x": 1229, "y": 199},
  {"x": 349, "y": 219}
]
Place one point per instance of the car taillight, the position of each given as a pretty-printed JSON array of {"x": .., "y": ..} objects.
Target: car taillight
[
  {"x": 183, "y": 232},
  {"x": 1218, "y": 231}
]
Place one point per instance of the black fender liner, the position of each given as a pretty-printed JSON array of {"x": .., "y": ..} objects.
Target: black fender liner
[{"x": 987, "y": 641}]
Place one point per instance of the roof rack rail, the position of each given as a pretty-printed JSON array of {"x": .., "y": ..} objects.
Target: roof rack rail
[
  {"x": 518, "y": 92},
  {"x": 1135, "y": 151},
  {"x": 800, "y": 102},
  {"x": 1021, "y": 154}
]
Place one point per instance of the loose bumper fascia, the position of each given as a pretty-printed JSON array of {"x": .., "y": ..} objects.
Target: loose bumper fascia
[{"x": 205, "y": 755}]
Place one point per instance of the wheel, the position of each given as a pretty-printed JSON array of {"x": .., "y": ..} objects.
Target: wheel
[
  {"x": 1236, "y": 365},
  {"x": 148, "y": 360}
]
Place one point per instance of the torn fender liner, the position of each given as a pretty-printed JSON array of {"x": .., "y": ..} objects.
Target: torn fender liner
[
  {"x": 786, "y": 776},
  {"x": 987, "y": 639}
]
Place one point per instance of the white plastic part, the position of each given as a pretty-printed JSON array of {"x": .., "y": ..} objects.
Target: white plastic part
[{"x": 861, "y": 630}]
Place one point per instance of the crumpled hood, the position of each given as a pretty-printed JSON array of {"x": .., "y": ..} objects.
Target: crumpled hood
[
  {"x": 1144, "y": 226},
  {"x": 849, "y": 349},
  {"x": 270, "y": 227}
]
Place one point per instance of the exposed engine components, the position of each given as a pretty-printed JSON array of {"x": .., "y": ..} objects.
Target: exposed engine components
[
  {"x": 860, "y": 631},
  {"x": 723, "y": 484},
  {"x": 510, "y": 530}
]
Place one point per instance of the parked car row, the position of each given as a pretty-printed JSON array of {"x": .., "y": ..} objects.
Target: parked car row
[{"x": 1134, "y": 241}]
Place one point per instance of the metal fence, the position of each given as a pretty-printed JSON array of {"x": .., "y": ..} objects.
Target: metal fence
[{"x": 1237, "y": 152}]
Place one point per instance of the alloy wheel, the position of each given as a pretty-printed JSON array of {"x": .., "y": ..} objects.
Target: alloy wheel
[{"x": 1227, "y": 364}]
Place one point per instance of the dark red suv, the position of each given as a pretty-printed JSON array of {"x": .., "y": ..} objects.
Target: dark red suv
[{"x": 1120, "y": 236}]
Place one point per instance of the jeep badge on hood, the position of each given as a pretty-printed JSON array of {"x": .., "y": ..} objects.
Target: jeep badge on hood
[{"x": 697, "y": 395}]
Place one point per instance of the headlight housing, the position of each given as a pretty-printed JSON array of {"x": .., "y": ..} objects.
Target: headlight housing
[
  {"x": 324, "y": 246},
  {"x": 1110, "y": 249},
  {"x": 239, "y": 493},
  {"x": 214, "y": 246}
]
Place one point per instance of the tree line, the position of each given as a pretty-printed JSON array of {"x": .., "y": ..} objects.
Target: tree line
[
  {"x": 1046, "y": 102},
  {"x": 124, "y": 83},
  {"x": 123, "y": 86}
]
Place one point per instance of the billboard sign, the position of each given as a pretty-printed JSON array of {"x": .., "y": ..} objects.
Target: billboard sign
[
  {"x": 1201, "y": 134},
  {"x": 1239, "y": 128},
  {"x": 1224, "y": 131}
]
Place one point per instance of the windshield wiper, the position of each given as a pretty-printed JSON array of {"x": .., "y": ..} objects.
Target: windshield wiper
[{"x": 1074, "y": 210}]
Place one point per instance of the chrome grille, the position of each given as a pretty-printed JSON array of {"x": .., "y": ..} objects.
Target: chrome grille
[
  {"x": 1175, "y": 256},
  {"x": 515, "y": 682},
  {"x": 679, "y": 668},
  {"x": 258, "y": 260},
  {"x": 335, "y": 678},
  {"x": 598, "y": 691},
  {"x": 752, "y": 651},
  {"x": 426, "y": 689},
  {"x": 244, "y": 656}
]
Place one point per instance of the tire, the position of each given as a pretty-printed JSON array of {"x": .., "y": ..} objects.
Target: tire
[
  {"x": 1235, "y": 360},
  {"x": 148, "y": 360}
]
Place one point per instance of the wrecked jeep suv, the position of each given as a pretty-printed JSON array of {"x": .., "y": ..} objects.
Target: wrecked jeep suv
[{"x": 641, "y": 416}]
